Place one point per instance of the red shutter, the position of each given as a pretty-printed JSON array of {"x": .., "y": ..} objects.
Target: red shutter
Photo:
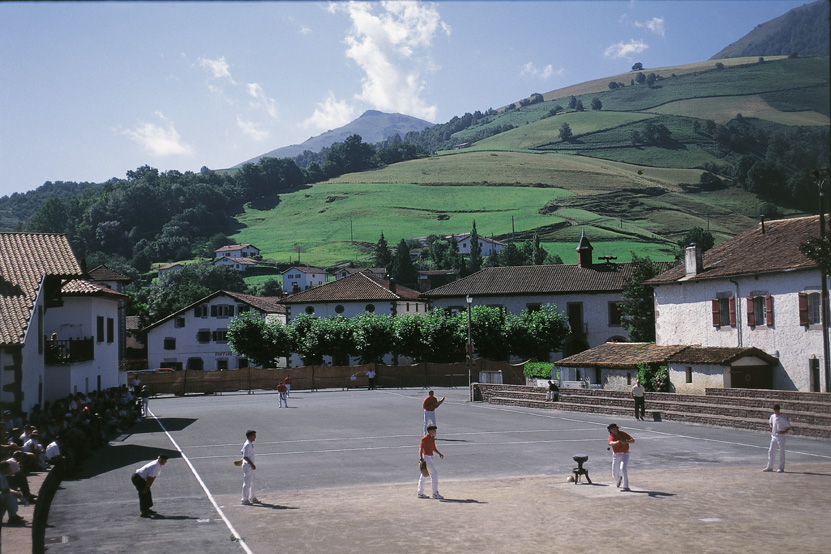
[
  {"x": 732, "y": 311},
  {"x": 803, "y": 308},
  {"x": 717, "y": 314},
  {"x": 751, "y": 314},
  {"x": 769, "y": 309}
]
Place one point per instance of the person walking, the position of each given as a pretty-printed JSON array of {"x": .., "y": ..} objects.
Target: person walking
[
  {"x": 282, "y": 391},
  {"x": 145, "y": 401},
  {"x": 249, "y": 469},
  {"x": 619, "y": 442},
  {"x": 287, "y": 382},
  {"x": 370, "y": 375},
  {"x": 779, "y": 427},
  {"x": 429, "y": 405},
  {"x": 638, "y": 395},
  {"x": 143, "y": 479},
  {"x": 425, "y": 454}
]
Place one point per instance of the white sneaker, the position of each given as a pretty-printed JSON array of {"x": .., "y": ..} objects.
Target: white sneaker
[
  {"x": 422, "y": 495},
  {"x": 437, "y": 496},
  {"x": 780, "y": 471}
]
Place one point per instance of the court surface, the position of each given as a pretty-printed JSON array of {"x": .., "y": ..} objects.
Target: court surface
[{"x": 336, "y": 472}]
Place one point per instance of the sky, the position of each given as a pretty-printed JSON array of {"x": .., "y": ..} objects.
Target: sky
[{"x": 89, "y": 91}]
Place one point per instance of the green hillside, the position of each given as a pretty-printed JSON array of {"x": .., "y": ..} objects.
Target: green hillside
[{"x": 627, "y": 196}]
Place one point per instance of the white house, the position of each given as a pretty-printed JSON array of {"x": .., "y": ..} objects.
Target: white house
[
  {"x": 756, "y": 290},
  {"x": 240, "y": 264},
  {"x": 195, "y": 337},
  {"x": 296, "y": 279},
  {"x": 487, "y": 246},
  {"x": 355, "y": 294},
  {"x": 118, "y": 282},
  {"x": 379, "y": 272},
  {"x": 587, "y": 293},
  {"x": 40, "y": 295},
  {"x": 237, "y": 251},
  {"x": 162, "y": 269}
]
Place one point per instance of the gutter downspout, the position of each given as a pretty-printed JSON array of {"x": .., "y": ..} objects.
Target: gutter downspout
[{"x": 738, "y": 314}]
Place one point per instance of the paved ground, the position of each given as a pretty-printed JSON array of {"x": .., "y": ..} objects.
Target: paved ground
[{"x": 337, "y": 472}]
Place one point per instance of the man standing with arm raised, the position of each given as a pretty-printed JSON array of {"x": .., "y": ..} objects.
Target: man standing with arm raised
[{"x": 430, "y": 404}]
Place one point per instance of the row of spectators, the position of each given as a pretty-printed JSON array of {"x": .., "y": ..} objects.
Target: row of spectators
[{"x": 61, "y": 433}]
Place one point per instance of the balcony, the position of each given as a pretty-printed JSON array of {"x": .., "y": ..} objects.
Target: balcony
[{"x": 69, "y": 351}]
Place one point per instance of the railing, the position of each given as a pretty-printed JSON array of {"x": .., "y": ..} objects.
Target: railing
[{"x": 69, "y": 351}]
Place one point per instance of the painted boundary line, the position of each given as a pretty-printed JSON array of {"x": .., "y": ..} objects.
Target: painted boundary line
[{"x": 228, "y": 523}]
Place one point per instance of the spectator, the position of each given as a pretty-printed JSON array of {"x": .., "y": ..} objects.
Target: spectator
[
  {"x": 17, "y": 479},
  {"x": 8, "y": 497}
]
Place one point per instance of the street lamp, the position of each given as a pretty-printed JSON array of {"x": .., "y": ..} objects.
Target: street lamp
[
  {"x": 821, "y": 176},
  {"x": 469, "y": 301}
]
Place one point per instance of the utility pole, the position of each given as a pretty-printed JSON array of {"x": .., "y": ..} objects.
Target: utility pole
[{"x": 822, "y": 177}]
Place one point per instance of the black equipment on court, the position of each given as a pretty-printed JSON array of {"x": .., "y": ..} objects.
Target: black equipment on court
[{"x": 580, "y": 470}]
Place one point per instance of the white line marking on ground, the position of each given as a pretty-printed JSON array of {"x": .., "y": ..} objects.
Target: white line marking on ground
[{"x": 228, "y": 524}]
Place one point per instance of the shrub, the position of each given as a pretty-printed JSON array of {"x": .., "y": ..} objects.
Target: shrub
[
  {"x": 538, "y": 370},
  {"x": 654, "y": 379}
]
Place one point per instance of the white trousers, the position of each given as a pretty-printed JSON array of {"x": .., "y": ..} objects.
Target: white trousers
[
  {"x": 288, "y": 390},
  {"x": 434, "y": 477},
  {"x": 777, "y": 442},
  {"x": 429, "y": 417},
  {"x": 248, "y": 489},
  {"x": 620, "y": 462},
  {"x": 284, "y": 399}
]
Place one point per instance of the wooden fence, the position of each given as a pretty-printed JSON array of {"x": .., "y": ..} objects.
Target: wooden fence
[{"x": 324, "y": 377}]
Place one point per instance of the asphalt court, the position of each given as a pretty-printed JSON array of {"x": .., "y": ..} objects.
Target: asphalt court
[{"x": 336, "y": 460}]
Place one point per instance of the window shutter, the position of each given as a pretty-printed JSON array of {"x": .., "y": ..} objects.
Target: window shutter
[
  {"x": 751, "y": 314},
  {"x": 769, "y": 309},
  {"x": 732, "y": 311},
  {"x": 716, "y": 313},
  {"x": 803, "y": 308},
  {"x": 213, "y": 335},
  {"x": 213, "y": 311}
]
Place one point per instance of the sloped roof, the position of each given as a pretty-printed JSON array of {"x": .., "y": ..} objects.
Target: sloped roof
[
  {"x": 718, "y": 355},
  {"x": 267, "y": 304},
  {"x": 26, "y": 259},
  {"x": 241, "y": 261},
  {"x": 540, "y": 279},
  {"x": 352, "y": 288},
  {"x": 621, "y": 355},
  {"x": 304, "y": 269},
  {"x": 82, "y": 287},
  {"x": 765, "y": 248},
  {"x": 104, "y": 273},
  {"x": 232, "y": 247}
]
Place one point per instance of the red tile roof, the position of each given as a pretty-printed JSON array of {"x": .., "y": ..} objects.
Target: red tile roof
[
  {"x": 540, "y": 279},
  {"x": 621, "y": 355},
  {"x": 356, "y": 287},
  {"x": 104, "y": 273},
  {"x": 766, "y": 248},
  {"x": 80, "y": 287},
  {"x": 26, "y": 259}
]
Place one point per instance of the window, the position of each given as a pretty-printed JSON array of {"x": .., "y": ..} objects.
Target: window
[
  {"x": 243, "y": 309},
  {"x": 220, "y": 335},
  {"x": 370, "y": 308},
  {"x": 339, "y": 309},
  {"x": 110, "y": 329},
  {"x": 310, "y": 310},
  {"x": 614, "y": 314},
  {"x": 724, "y": 311},
  {"x": 628, "y": 378},
  {"x": 689, "y": 374},
  {"x": 531, "y": 308},
  {"x": 760, "y": 310},
  {"x": 179, "y": 322},
  {"x": 222, "y": 365},
  {"x": 200, "y": 311},
  {"x": 195, "y": 363},
  {"x": 169, "y": 343},
  {"x": 203, "y": 336},
  {"x": 99, "y": 335},
  {"x": 810, "y": 308},
  {"x": 575, "y": 317},
  {"x": 222, "y": 310}
]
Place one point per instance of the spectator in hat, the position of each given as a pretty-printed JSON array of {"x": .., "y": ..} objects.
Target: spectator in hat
[{"x": 33, "y": 446}]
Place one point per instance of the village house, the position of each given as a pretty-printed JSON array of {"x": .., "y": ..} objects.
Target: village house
[
  {"x": 162, "y": 269},
  {"x": 118, "y": 282},
  {"x": 297, "y": 279},
  {"x": 487, "y": 246},
  {"x": 379, "y": 272},
  {"x": 58, "y": 332},
  {"x": 352, "y": 295},
  {"x": 237, "y": 251},
  {"x": 240, "y": 264},
  {"x": 587, "y": 293},
  {"x": 196, "y": 337}
]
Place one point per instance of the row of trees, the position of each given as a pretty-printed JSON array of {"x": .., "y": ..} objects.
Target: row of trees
[{"x": 433, "y": 337}]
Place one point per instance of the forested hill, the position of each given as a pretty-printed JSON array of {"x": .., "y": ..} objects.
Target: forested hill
[{"x": 803, "y": 30}]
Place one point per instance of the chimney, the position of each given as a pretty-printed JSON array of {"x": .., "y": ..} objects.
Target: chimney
[
  {"x": 584, "y": 252},
  {"x": 392, "y": 285},
  {"x": 693, "y": 260},
  {"x": 763, "y": 224}
]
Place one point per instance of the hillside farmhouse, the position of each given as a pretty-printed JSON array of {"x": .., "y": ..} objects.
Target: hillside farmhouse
[
  {"x": 195, "y": 337},
  {"x": 240, "y": 264},
  {"x": 587, "y": 293},
  {"x": 296, "y": 279},
  {"x": 350, "y": 296},
  {"x": 745, "y": 314},
  {"x": 237, "y": 251},
  {"x": 379, "y": 272},
  {"x": 487, "y": 246},
  {"x": 58, "y": 332},
  {"x": 162, "y": 269}
]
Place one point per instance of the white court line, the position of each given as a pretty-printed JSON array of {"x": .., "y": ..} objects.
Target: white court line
[{"x": 228, "y": 524}]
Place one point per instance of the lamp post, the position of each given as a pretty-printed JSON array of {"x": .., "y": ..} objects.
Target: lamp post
[
  {"x": 469, "y": 301},
  {"x": 821, "y": 177}
]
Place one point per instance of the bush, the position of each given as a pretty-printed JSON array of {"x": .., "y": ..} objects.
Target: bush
[
  {"x": 653, "y": 379},
  {"x": 538, "y": 370}
]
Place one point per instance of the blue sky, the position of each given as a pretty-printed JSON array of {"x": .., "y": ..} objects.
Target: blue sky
[{"x": 89, "y": 91}]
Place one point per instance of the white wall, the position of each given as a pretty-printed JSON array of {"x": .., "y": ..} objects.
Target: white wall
[
  {"x": 703, "y": 376},
  {"x": 684, "y": 316}
]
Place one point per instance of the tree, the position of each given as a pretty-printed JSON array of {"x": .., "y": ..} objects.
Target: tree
[
  {"x": 475, "y": 251},
  {"x": 638, "y": 306},
  {"x": 572, "y": 102},
  {"x": 443, "y": 337},
  {"x": 305, "y": 333},
  {"x": 487, "y": 329},
  {"x": 261, "y": 342},
  {"x": 698, "y": 236},
  {"x": 597, "y": 105},
  {"x": 535, "y": 334},
  {"x": 383, "y": 256},
  {"x": 176, "y": 289},
  {"x": 651, "y": 79},
  {"x": 402, "y": 268},
  {"x": 408, "y": 338},
  {"x": 565, "y": 132},
  {"x": 819, "y": 251},
  {"x": 640, "y": 78},
  {"x": 637, "y": 67},
  {"x": 337, "y": 338},
  {"x": 579, "y": 106},
  {"x": 373, "y": 336}
]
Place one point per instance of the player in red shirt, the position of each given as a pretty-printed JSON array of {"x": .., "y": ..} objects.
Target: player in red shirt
[
  {"x": 283, "y": 392},
  {"x": 619, "y": 441},
  {"x": 430, "y": 404},
  {"x": 425, "y": 453}
]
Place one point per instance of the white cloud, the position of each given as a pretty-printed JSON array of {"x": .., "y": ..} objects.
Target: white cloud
[
  {"x": 253, "y": 130},
  {"x": 305, "y": 30},
  {"x": 530, "y": 69},
  {"x": 330, "y": 114},
  {"x": 625, "y": 49},
  {"x": 261, "y": 100},
  {"x": 219, "y": 68},
  {"x": 391, "y": 43},
  {"x": 160, "y": 140},
  {"x": 656, "y": 25}
]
